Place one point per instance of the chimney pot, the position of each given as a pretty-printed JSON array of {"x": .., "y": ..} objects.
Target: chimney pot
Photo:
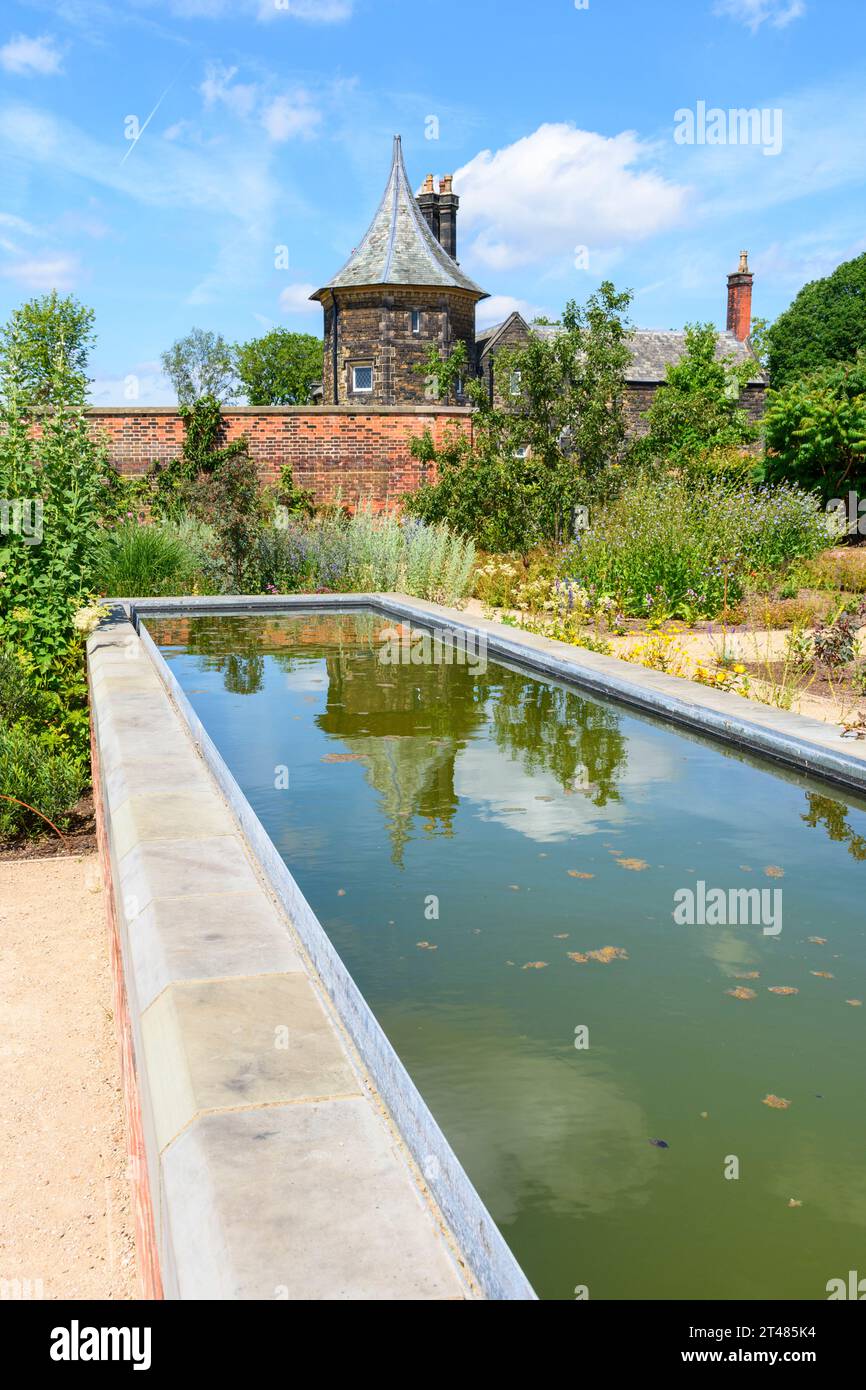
[
  {"x": 445, "y": 183},
  {"x": 428, "y": 184}
]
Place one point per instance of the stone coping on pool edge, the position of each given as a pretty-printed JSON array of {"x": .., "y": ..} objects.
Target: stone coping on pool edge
[{"x": 274, "y": 1168}]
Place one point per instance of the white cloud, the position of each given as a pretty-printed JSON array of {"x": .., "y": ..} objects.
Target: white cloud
[
  {"x": 49, "y": 272},
  {"x": 754, "y": 13},
  {"x": 559, "y": 188},
  {"x": 295, "y": 299},
  {"x": 26, "y": 56},
  {"x": 290, "y": 116},
  {"x": 238, "y": 97},
  {"x": 498, "y": 307},
  {"x": 236, "y": 193}
]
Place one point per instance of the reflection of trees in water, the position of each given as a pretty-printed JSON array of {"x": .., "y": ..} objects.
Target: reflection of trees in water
[
  {"x": 832, "y": 815},
  {"x": 408, "y": 722},
  {"x": 244, "y": 674},
  {"x": 558, "y": 731}
]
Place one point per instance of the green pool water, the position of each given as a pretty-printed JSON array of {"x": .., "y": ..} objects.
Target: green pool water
[{"x": 507, "y": 821}]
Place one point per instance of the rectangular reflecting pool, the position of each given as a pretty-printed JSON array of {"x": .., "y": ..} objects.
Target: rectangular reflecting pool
[{"x": 652, "y": 1072}]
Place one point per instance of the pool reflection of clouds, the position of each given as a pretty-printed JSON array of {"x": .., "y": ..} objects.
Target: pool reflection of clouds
[{"x": 494, "y": 783}]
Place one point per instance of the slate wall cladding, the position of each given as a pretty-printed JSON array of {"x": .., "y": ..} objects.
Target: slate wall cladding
[{"x": 358, "y": 453}]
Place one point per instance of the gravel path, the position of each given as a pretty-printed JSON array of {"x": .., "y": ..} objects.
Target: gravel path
[{"x": 65, "y": 1216}]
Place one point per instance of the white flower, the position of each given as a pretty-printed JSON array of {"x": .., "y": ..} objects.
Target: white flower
[{"x": 89, "y": 618}]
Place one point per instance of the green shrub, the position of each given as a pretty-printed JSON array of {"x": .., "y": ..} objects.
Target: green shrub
[
  {"x": 48, "y": 780},
  {"x": 816, "y": 430},
  {"x": 669, "y": 547},
  {"x": 20, "y": 699}
]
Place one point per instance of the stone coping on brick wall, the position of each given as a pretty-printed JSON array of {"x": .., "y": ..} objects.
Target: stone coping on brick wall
[
  {"x": 275, "y": 1167},
  {"x": 430, "y": 408}
]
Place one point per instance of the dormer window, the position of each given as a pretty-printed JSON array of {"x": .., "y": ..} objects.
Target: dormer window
[
  {"x": 416, "y": 321},
  {"x": 362, "y": 379}
]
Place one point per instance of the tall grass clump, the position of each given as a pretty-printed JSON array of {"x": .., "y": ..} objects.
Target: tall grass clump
[
  {"x": 676, "y": 547},
  {"x": 142, "y": 561}
]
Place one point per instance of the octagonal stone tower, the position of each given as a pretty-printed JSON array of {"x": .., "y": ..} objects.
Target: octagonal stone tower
[{"x": 399, "y": 292}]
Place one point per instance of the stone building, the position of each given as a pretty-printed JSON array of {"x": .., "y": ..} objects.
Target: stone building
[{"x": 402, "y": 290}]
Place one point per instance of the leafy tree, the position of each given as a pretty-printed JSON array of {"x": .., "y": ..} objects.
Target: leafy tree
[
  {"x": 280, "y": 367},
  {"x": 816, "y": 429},
  {"x": 44, "y": 349},
  {"x": 201, "y": 364},
  {"x": 546, "y": 442},
  {"x": 696, "y": 412},
  {"x": 825, "y": 324}
]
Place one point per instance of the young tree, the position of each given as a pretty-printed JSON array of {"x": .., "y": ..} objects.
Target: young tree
[
  {"x": 697, "y": 412},
  {"x": 44, "y": 349},
  {"x": 280, "y": 367},
  {"x": 201, "y": 364},
  {"x": 544, "y": 444},
  {"x": 816, "y": 430},
  {"x": 825, "y": 324}
]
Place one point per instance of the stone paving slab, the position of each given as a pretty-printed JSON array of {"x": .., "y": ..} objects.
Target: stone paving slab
[
  {"x": 207, "y": 936},
  {"x": 227, "y": 1044},
  {"x": 307, "y": 1202}
]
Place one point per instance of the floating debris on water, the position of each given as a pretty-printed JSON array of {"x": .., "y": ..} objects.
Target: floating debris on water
[{"x": 604, "y": 955}]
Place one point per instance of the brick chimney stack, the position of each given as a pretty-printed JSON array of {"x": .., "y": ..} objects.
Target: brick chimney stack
[{"x": 740, "y": 299}]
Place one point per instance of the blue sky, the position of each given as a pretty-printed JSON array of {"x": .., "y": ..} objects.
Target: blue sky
[{"x": 270, "y": 125}]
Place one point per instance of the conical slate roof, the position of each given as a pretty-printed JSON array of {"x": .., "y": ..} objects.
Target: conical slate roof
[{"x": 399, "y": 248}]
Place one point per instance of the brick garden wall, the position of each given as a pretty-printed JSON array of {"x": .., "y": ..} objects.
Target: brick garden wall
[{"x": 361, "y": 453}]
